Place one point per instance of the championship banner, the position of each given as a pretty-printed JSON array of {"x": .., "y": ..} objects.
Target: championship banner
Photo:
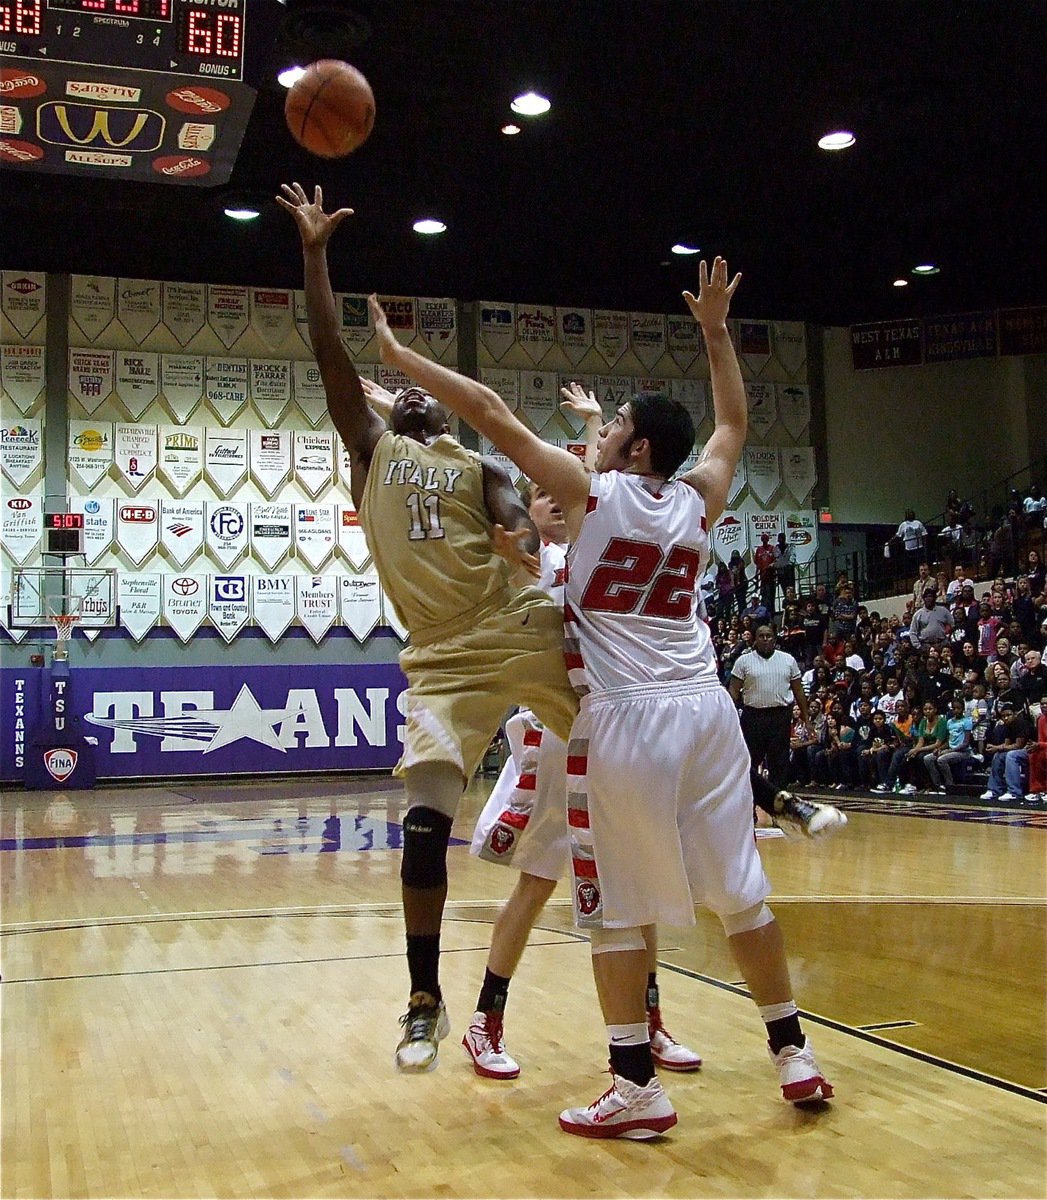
[
  {"x": 16, "y": 635},
  {"x": 762, "y": 402},
  {"x": 356, "y": 328},
  {"x": 182, "y": 529},
  {"x": 138, "y": 307},
  {"x": 801, "y": 532},
  {"x": 309, "y": 394},
  {"x": 21, "y": 527},
  {"x": 22, "y": 375},
  {"x": 790, "y": 345},
  {"x": 270, "y": 528},
  {"x": 360, "y": 604},
  {"x": 99, "y": 524},
  {"x": 273, "y": 604},
  {"x": 270, "y": 458},
  {"x": 351, "y": 540},
  {"x": 185, "y": 604},
  {"x": 184, "y": 308},
  {"x": 314, "y": 532},
  {"x": 181, "y": 456},
  {"x": 737, "y": 484},
  {"x": 730, "y": 533},
  {"x": 391, "y": 617},
  {"x": 92, "y": 303},
  {"x": 536, "y": 329},
  {"x": 225, "y": 531},
  {"x": 959, "y": 336},
  {"x": 693, "y": 395},
  {"x": 225, "y": 458},
  {"x": 763, "y": 472},
  {"x": 504, "y": 383},
  {"x": 887, "y": 344},
  {"x": 647, "y": 337},
  {"x": 181, "y": 384},
  {"x": 21, "y": 449},
  {"x": 754, "y": 344},
  {"x": 612, "y": 391},
  {"x": 314, "y": 460},
  {"x": 91, "y": 377},
  {"x": 1023, "y": 330},
  {"x": 438, "y": 325},
  {"x": 24, "y": 299},
  {"x": 684, "y": 339},
  {"x": 137, "y": 380},
  {"x": 226, "y": 386},
  {"x": 496, "y": 327},
  {"x": 316, "y": 603},
  {"x": 90, "y": 450},
  {"x": 574, "y": 332},
  {"x": 794, "y": 407},
  {"x": 272, "y": 314},
  {"x": 140, "y": 599},
  {"x": 400, "y": 313},
  {"x": 610, "y": 334},
  {"x": 799, "y": 471},
  {"x": 135, "y": 453},
  {"x": 539, "y": 398},
  {"x": 137, "y": 528},
  {"x": 759, "y": 523},
  {"x": 227, "y": 312},
  {"x": 270, "y": 388},
  {"x": 227, "y": 607}
]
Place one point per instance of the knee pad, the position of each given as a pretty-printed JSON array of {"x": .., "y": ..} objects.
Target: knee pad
[
  {"x": 608, "y": 941},
  {"x": 426, "y": 834},
  {"x": 746, "y": 920}
]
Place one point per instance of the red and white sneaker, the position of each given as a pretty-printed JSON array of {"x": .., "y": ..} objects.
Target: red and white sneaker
[
  {"x": 625, "y": 1110},
  {"x": 666, "y": 1050},
  {"x": 799, "y": 1075},
  {"x": 483, "y": 1044}
]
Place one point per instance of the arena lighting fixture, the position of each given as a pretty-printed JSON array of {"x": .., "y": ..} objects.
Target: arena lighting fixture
[
  {"x": 510, "y": 130},
  {"x": 683, "y": 248},
  {"x": 241, "y": 212},
  {"x": 289, "y": 76},
  {"x": 429, "y": 226},
  {"x": 901, "y": 283},
  {"x": 839, "y": 139},
  {"x": 926, "y": 269},
  {"x": 530, "y": 104}
]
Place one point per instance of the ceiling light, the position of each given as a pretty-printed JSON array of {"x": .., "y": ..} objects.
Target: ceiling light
[
  {"x": 241, "y": 212},
  {"x": 530, "y": 104},
  {"x": 429, "y": 225},
  {"x": 901, "y": 283},
  {"x": 839, "y": 139},
  {"x": 289, "y": 76},
  {"x": 510, "y": 130},
  {"x": 926, "y": 269},
  {"x": 683, "y": 248}
]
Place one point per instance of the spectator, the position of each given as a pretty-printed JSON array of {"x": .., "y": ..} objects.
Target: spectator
[
  {"x": 988, "y": 625},
  {"x": 956, "y": 752},
  {"x": 958, "y": 582},
  {"x": 894, "y": 760},
  {"x": 741, "y": 581},
  {"x": 724, "y": 590},
  {"x": 1037, "y": 793},
  {"x": 785, "y": 564},
  {"x": 1035, "y": 503},
  {"x": 913, "y": 536},
  {"x": 1034, "y": 571},
  {"x": 892, "y": 696},
  {"x": 932, "y": 734},
  {"x": 844, "y": 612},
  {"x": 1024, "y": 607},
  {"x": 794, "y": 636},
  {"x": 863, "y": 764},
  {"x": 763, "y": 557},
  {"x": 814, "y": 626},
  {"x": 1001, "y": 546},
  {"x": 1031, "y": 682},
  {"x": 1010, "y": 755},
  {"x": 951, "y": 537},
  {"x": 931, "y": 624}
]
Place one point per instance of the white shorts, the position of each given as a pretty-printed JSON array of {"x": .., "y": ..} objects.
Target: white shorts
[
  {"x": 524, "y": 822},
  {"x": 660, "y": 807}
]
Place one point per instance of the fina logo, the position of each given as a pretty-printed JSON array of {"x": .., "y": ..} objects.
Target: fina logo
[{"x": 60, "y": 763}]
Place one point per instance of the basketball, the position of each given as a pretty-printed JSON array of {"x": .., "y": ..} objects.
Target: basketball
[{"x": 330, "y": 110}]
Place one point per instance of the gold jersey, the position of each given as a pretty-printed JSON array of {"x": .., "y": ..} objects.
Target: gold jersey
[{"x": 429, "y": 532}]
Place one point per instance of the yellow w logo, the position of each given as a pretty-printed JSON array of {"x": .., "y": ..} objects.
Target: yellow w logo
[{"x": 100, "y": 132}]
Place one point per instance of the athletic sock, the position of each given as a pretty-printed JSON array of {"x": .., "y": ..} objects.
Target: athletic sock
[
  {"x": 423, "y": 963},
  {"x": 630, "y": 1052},
  {"x": 783, "y": 1025},
  {"x": 494, "y": 992},
  {"x": 652, "y": 991}
]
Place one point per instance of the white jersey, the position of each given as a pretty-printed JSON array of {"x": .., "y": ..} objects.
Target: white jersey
[
  {"x": 553, "y": 558},
  {"x": 630, "y": 614}
]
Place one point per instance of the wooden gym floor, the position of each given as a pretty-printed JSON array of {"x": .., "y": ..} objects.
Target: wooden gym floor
[{"x": 201, "y": 985}]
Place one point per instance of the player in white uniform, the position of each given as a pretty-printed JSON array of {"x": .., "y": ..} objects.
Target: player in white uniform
[{"x": 659, "y": 799}]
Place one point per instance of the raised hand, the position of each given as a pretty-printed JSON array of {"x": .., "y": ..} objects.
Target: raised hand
[
  {"x": 582, "y": 403},
  {"x": 713, "y": 301},
  {"x": 509, "y": 545},
  {"x": 387, "y": 343},
  {"x": 314, "y": 225}
]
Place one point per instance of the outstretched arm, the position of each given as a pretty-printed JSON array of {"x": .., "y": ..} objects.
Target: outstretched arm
[
  {"x": 585, "y": 405},
  {"x": 379, "y": 398}
]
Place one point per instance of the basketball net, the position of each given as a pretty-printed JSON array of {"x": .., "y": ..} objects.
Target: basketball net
[{"x": 64, "y": 624}]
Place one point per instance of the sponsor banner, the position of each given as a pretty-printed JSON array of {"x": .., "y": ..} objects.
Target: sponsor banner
[
  {"x": 16, "y": 635},
  {"x": 610, "y": 334},
  {"x": 887, "y": 344},
  {"x": 693, "y": 395},
  {"x": 314, "y": 532},
  {"x": 273, "y": 604},
  {"x": 137, "y": 380},
  {"x": 400, "y": 313},
  {"x": 536, "y": 329},
  {"x": 356, "y": 328},
  {"x": 391, "y": 379},
  {"x": 24, "y": 298},
  {"x": 181, "y": 529},
  {"x": 93, "y": 597},
  {"x": 1023, "y": 330},
  {"x": 181, "y": 456},
  {"x": 270, "y": 458},
  {"x": 301, "y": 317},
  {"x": 344, "y": 465},
  {"x": 489, "y": 450},
  {"x": 91, "y": 376},
  {"x": 801, "y": 532},
  {"x": 21, "y": 526},
  {"x": 612, "y": 391},
  {"x": 181, "y": 384},
  {"x": 226, "y": 386},
  {"x": 270, "y": 388},
  {"x": 360, "y": 604},
  {"x": 574, "y": 332},
  {"x": 759, "y": 523},
  {"x": 137, "y": 528},
  {"x": 225, "y": 458},
  {"x": 226, "y": 531},
  {"x": 647, "y": 337},
  {"x": 227, "y": 608},
  {"x": 588, "y": 385},
  {"x": 754, "y": 344},
  {"x": 92, "y": 303},
  {"x": 504, "y": 382},
  {"x": 438, "y": 325},
  {"x": 139, "y": 596},
  {"x": 798, "y": 471},
  {"x": 270, "y": 530},
  {"x": 138, "y": 307},
  {"x": 391, "y": 617},
  {"x": 351, "y": 540},
  {"x": 790, "y": 345},
  {"x": 496, "y": 326},
  {"x": 185, "y": 606},
  {"x": 309, "y": 394},
  {"x": 684, "y": 339},
  {"x": 730, "y": 533},
  {"x": 539, "y": 397},
  {"x": 763, "y": 472},
  {"x": 22, "y": 375},
  {"x": 227, "y": 312},
  {"x": 184, "y": 308},
  {"x": 737, "y": 484},
  {"x": 135, "y": 453},
  {"x": 314, "y": 460},
  {"x": 99, "y": 524},
  {"x": 316, "y": 602},
  {"x": 21, "y": 449},
  {"x": 794, "y": 407},
  {"x": 762, "y": 403},
  {"x": 959, "y": 336},
  {"x": 272, "y": 314}
]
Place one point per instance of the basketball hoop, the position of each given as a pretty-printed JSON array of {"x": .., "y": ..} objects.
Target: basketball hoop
[{"x": 64, "y": 624}]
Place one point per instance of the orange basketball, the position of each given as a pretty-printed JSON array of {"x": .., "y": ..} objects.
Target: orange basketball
[{"x": 330, "y": 110}]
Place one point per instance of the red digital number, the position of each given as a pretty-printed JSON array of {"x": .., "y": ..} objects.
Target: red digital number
[
  {"x": 624, "y": 579},
  {"x": 213, "y": 35},
  {"x": 21, "y": 17}
]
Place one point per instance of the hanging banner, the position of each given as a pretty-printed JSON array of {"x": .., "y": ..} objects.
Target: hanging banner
[
  {"x": 684, "y": 339},
  {"x": 90, "y": 450},
  {"x": 360, "y": 604},
  {"x": 790, "y": 345},
  {"x": 24, "y": 299},
  {"x": 762, "y": 403},
  {"x": 21, "y": 449},
  {"x": 273, "y": 604},
  {"x": 301, "y": 317},
  {"x": 539, "y": 397},
  {"x": 182, "y": 529},
  {"x": 138, "y": 307},
  {"x": 1022, "y": 330},
  {"x": 504, "y": 383},
  {"x": 729, "y": 534},
  {"x": 270, "y": 458},
  {"x": 391, "y": 618},
  {"x": 272, "y": 315},
  {"x": 181, "y": 456},
  {"x": 226, "y": 386},
  {"x": 314, "y": 461},
  {"x": 496, "y": 327},
  {"x": 21, "y": 527},
  {"x": 763, "y": 472},
  {"x": 564, "y": 380},
  {"x": 737, "y": 485},
  {"x": 400, "y": 313},
  {"x": 799, "y": 471},
  {"x": 140, "y": 600},
  {"x": 92, "y": 303},
  {"x": 270, "y": 528},
  {"x": 610, "y": 334},
  {"x": 693, "y": 395},
  {"x": 270, "y": 389},
  {"x": 351, "y": 540},
  {"x": 887, "y": 344},
  {"x": 959, "y": 336},
  {"x": 489, "y": 450},
  {"x": 137, "y": 528},
  {"x": 22, "y": 375},
  {"x": 227, "y": 607},
  {"x": 759, "y": 523},
  {"x": 227, "y": 312},
  {"x": 438, "y": 325},
  {"x": 185, "y": 603},
  {"x": 536, "y": 329},
  {"x": 91, "y": 376},
  {"x": 316, "y": 603},
  {"x": 226, "y": 531},
  {"x": 137, "y": 380},
  {"x": 356, "y": 328},
  {"x": 647, "y": 337},
  {"x": 391, "y": 379},
  {"x": 613, "y": 391},
  {"x": 314, "y": 532},
  {"x": 344, "y": 465},
  {"x": 794, "y": 407},
  {"x": 754, "y": 344},
  {"x": 99, "y": 524},
  {"x": 801, "y": 531},
  {"x": 309, "y": 394},
  {"x": 225, "y": 458},
  {"x": 16, "y": 635},
  {"x": 184, "y": 307},
  {"x": 574, "y": 332},
  {"x": 134, "y": 453},
  {"x": 181, "y": 384}
]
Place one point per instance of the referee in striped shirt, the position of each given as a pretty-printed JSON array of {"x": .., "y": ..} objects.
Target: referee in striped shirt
[{"x": 767, "y": 682}]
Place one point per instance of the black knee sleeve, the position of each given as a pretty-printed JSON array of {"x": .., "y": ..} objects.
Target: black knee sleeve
[{"x": 426, "y": 835}]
